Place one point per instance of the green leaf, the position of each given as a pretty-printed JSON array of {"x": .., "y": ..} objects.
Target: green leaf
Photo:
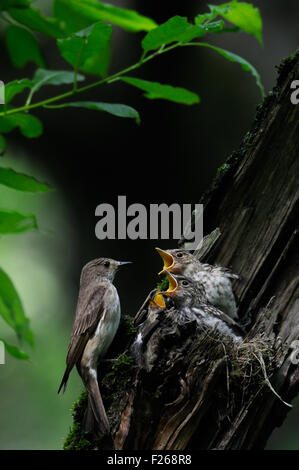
[
  {"x": 71, "y": 10},
  {"x": 23, "y": 47},
  {"x": 98, "y": 64},
  {"x": 15, "y": 87},
  {"x": 244, "y": 64},
  {"x": 155, "y": 90},
  {"x": 242, "y": 14},
  {"x": 214, "y": 26},
  {"x": 246, "y": 17},
  {"x": 74, "y": 20},
  {"x": 21, "y": 182},
  {"x": 176, "y": 29},
  {"x": 206, "y": 17},
  {"x": 14, "y": 350},
  {"x": 85, "y": 44},
  {"x": 14, "y": 3},
  {"x": 53, "y": 77},
  {"x": 34, "y": 19},
  {"x": 29, "y": 125},
  {"x": 14, "y": 222},
  {"x": 119, "y": 110},
  {"x": 2, "y": 144},
  {"x": 11, "y": 309}
]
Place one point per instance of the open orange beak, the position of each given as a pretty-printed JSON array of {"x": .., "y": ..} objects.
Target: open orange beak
[
  {"x": 173, "y": 285},
  {"x": 159, "y": 300},
  {"x": 168, "y": 260}
]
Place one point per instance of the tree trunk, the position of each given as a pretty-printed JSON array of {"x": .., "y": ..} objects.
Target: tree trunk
[{"x": 196, "y": 390}]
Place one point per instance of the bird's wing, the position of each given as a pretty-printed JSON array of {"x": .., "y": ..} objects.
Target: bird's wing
[
  {"x": 228, "y": 320},
  {"x": 225, "y": 271},
  {"x": 89, "y": 311},
  {"x": 88, "y": 315}
]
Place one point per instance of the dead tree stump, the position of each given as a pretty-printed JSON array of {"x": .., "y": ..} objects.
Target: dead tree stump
[{"x": 196, "y": 390}]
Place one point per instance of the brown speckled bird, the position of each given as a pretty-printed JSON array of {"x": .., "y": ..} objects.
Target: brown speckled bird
[
  {"x": 96, "y": 322},
  {"x": 215, "y": 279},
  {"x": 190, "y": 303}
]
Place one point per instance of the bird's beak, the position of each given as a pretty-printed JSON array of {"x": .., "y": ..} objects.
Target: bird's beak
[
  {"x": 159, "y": 300},
  {"x": 168, "y": 260},
  {"x": 173, "y": 285},
  {"x": 121, "y": 263}
]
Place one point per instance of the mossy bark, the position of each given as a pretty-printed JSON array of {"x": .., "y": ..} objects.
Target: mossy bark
[{"x": 198, "y": 390}]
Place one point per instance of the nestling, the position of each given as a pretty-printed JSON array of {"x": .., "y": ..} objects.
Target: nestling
[
  {"x": 215, "y": 279},
  {"x": 191, "y": 303}
]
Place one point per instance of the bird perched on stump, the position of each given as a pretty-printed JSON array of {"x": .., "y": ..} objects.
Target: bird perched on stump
[
  {"x": 190, "y": 303},
  {"x": 96, "y": 322},
  {"x": 215, "y": 279}
]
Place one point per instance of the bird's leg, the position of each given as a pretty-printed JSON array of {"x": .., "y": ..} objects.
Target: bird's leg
[
  {"x": 110, "y": 361},
  {"x": 114, "y": 359}
]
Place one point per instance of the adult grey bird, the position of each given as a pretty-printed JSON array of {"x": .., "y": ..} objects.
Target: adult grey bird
[
  {"x": 190, "y": 303},
  {"x": 215, "y": 279},
  {"x": 96, "y": 322}
]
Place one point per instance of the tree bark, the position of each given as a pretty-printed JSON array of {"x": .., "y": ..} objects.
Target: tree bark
[{"x": 194, "y": 389}]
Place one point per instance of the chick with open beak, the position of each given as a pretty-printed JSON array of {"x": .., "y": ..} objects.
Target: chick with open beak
[
  {"x": 155, "y": 307},
  {"x": 215, "y": 279},
  {"x": 190, "y": 303},
  {"x": 158, "y": 301}
]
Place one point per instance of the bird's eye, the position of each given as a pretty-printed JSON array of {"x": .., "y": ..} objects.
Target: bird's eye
[
  {"x": 185, "y": 283},
  {"x": 106, "y": 264},
  {"x": 179, "y": 255}
]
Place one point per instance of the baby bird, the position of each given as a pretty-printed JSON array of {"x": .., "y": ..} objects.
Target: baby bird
[
  {"x": 190, "y": 303},
  {"x": 156, "y": 306},
  {"x": 215, "y": 279}
]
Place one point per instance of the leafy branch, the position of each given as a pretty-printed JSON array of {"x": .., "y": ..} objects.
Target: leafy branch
[
  {"x": 86, "y": 51},
  {"x": 83, "y": 30}
]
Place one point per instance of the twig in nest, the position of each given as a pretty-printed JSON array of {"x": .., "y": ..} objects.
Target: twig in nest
[{"x": 262, "y": 364}]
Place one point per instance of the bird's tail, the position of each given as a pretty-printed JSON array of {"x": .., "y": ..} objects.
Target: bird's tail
[
  {"x": 64, "y": 380},
  {"x": 89, "y": 422},
  {"x": 96, "y": 406}
]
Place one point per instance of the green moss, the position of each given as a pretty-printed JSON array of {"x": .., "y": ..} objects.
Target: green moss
[
  {"x": 115, "y": 381},
  {"x": 119, "y": 374},
  {"x": 76, "y": 439},
  {"x": 285, "y": 65},
  {"x": 222, "y": 168},
  {"x": 129, "y": 328}
]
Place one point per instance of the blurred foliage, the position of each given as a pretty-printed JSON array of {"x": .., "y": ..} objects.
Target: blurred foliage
[
  {"x": 12, "y": 222},
  {"x": 44, "y": 273}
]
